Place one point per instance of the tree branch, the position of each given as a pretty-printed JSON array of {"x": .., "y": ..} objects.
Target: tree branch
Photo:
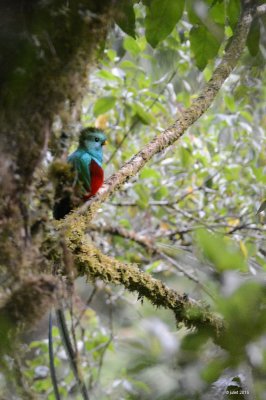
[
  {"x": 186, "y": 119},
  {"x": 149, "y": 244},
  {"x": 93, "y": 264}
]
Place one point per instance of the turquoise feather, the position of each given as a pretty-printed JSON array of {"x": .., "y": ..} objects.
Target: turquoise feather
[
  {"x": 87, "y": 166},
  {"x": 88, "y": 150}
]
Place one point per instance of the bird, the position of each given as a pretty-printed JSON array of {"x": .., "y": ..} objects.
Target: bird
[
  {"x": 88, "y": 174},
  {"x": 75, "y": 184}
]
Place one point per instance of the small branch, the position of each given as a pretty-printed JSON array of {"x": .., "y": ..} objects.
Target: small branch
[
  {"x": 142, "y": 240},
  {"x": 107, "y": 344},
  {"x": 186, "y": 274},
  {"x": 83, "y": 311},
  {"x": 134, "y": 204},
  {"x": 149, "y": 244},
  {"x": 134, "y": 124}
]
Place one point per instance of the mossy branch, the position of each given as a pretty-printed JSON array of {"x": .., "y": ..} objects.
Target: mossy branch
[
  {"x": 149, "y": 243},
  {"x": 92, "y": 263}
]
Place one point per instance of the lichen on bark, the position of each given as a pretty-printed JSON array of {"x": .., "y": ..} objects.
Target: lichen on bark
[{"x": 47, "y": 50}]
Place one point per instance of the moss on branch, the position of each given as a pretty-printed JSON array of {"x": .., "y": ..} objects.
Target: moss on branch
[{"x": 92, "y": 263}]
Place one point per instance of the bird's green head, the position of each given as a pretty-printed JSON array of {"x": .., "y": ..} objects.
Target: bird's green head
[{"x": 92, "y": 139}]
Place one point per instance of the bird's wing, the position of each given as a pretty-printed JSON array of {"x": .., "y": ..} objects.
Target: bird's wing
[
  {"x": 81, "y": 163},
  {"x": 84, "y": 170}
]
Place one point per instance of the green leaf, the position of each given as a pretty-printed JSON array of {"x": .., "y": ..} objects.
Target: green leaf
[
  {"x": 211, "y": 11},
  {"x": 103, "y": 105},
  {"x": 111, "y": 54},
  {"x": 107, "y": 75},
  {"x": 185, "y": 156},
  {"x": 161, "y": 18},
  {"x": 161, "y": 193},
  {"x": 253, "y": 39},
  {"x": 125, "y": 223},
  {"x": 244, "y": 312},
  {"x": 143, "y": 195},
  {"x": 132, "y": 46},
  {"x": 204, "y": 45},
  {"x": 192, "y": 16},
  {"x": 149, "y": 173},
  {"x": 152, "y": 267},
  {"x": 222, "y": 252},
  {"x": 128, "y": 64},
  {"x": 125, "y": 18},
  {"x": 259, "y": 174},
  {"x": 247, "y": 115},
  {"x": 233, "y": 12},
  {"x": 230, "y": 103},
  {"x": 217, "y": 13},
  {"x": 145, "y": 117}
]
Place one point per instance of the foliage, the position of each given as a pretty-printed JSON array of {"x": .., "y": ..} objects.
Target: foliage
[{"x": 201, "y": 203}]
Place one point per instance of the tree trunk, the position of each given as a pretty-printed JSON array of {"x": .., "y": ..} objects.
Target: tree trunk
[{"x": 46, "y": 50}]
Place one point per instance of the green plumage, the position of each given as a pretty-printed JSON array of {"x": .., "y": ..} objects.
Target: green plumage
[
  {"x": 87, "y": 173},
  {"x": 80, "y": 160}
]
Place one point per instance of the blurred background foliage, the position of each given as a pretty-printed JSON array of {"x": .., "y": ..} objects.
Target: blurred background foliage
[{"x": 197, "y": 202}]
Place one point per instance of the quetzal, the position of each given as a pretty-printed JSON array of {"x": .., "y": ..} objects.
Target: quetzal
[
  {"x": 76, "y": 184},
  {"x": 87, "y": 174}
]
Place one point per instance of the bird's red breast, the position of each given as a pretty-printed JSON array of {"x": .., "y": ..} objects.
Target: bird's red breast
[{"x": 97, "y": 178}]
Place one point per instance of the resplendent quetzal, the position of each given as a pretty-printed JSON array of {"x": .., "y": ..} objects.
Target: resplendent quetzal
[
  {"x": 77, "y": 182},
  {"x": 88, "y": 174}
]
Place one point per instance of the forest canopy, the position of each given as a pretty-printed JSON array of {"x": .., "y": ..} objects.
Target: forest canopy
[{"x": 158, "y": 281}]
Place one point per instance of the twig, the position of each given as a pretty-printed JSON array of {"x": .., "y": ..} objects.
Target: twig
[
  {"x": 149, "y": 244},
  {"x": 94, "y": 291},
  {"x": 51, "y": 359},
  {"x": 107, "y": 343}
]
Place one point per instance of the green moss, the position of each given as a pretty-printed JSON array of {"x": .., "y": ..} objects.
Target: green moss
[
  {"x": 93, "y": 264},
  {"x": 60, "y": 170}
]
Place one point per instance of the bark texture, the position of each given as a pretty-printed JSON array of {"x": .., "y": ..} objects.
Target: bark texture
[{"x": 47, "y": 48}]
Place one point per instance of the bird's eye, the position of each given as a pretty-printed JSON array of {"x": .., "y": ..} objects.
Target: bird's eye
[{"x": 97, "y": 139}]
